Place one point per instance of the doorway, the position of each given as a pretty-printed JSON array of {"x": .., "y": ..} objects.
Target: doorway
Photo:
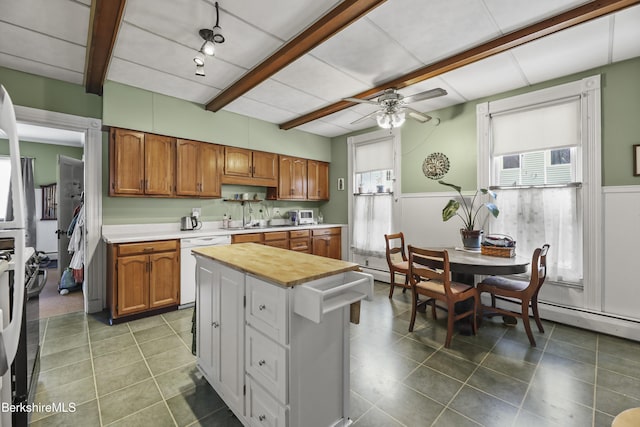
[{"x": 93, "y": 290}]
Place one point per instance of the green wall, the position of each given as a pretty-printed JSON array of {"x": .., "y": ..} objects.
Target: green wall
[
  {"x": 129, "y": 107},
  {"x": 46, "y": 158},
  {"x": 29, "y": 90}
]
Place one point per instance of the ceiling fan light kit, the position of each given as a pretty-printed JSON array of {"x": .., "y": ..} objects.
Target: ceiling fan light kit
[
  {"x": 208, "y": 48},
  {"x": 393, "y": 108}
]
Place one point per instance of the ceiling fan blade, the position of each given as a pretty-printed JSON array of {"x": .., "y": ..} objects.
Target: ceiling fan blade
[
  {"x": 363, "y": 118},
  {"x": 417, "y": 115},
  {"x": 361, "y": 101},
  {"x": 433, "y": 93}
]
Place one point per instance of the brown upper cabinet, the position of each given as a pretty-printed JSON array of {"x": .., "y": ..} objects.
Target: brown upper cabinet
[
  {"x": 141, "y": 164},
  {"x": 248, "y": 167},
  {"x": 198, "y": 168},
  {"x": 292, "y": 184},
  {"x": 317, "y": 180}
]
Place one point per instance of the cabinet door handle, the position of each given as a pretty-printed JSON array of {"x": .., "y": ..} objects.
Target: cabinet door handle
[
  {"x": 262, "y": 307},
  {"x": 262, "y": 362},
  {"x": 215, "y": 324},
  {"x": 262, "y": 417}
]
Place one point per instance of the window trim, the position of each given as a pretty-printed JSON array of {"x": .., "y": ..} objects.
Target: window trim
[{"x": 588, "y": 167}]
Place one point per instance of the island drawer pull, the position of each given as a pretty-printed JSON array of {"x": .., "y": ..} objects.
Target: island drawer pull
[
  {"x": 262, "y": 362},
  {"x": 215, "y": 324},
  {"x": 262, "y": 307},
  {"x": 262, "y": 417}
]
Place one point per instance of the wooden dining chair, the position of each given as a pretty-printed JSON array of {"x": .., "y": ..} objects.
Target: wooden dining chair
[
  {"x": 395, "y": 246},
  {"x": 429, "y": 276},
  {"x": 519, "y": 292}
]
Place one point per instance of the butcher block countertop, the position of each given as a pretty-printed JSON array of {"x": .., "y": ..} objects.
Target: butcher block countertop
[{"x": 280, "y": 266}]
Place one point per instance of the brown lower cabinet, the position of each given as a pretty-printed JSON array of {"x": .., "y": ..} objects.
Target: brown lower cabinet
[
  {"x": 142, "y": 276},
  {"x": 326, "y": 242}
]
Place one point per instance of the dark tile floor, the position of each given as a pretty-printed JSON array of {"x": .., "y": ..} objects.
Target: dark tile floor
[{"x": 142, "y": 373}]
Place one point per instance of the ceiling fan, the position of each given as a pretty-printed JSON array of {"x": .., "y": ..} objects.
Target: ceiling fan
[{"x": 393, "y": 107}]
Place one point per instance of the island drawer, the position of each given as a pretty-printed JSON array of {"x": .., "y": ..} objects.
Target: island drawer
[
  {"x": 262, "y": 409},
  {"x": 314, "y": 299},
  {"x": 267, "y": 309},
  {"x": 266, "y": 362},
  {"x": 147, "y": 247}
]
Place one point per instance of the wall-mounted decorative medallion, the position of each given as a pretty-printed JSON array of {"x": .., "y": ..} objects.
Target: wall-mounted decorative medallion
[{"x": 435, "y": 166}]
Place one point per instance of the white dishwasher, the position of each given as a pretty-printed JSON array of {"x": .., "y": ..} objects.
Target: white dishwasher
[{"x": 188, "y": 265}]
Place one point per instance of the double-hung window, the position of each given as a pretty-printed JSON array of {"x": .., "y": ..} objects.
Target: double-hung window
[
  {"x": 373, "y": 165},
  {"x": 535, "y": 151}
]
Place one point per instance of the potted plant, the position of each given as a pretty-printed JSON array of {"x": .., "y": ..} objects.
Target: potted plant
[{"x": 471, "y": 237}]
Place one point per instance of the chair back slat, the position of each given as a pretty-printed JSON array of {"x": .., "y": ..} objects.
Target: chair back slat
[
  {"x": 429, "y": 264},
  {"x": 394, "y": 245}
]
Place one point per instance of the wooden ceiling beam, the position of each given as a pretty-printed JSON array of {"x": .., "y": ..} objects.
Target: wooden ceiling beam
[
  {"x": 104, "y": 24},
  {"x": 579, "y": 15},
  {"x": 331, "y": 23}
]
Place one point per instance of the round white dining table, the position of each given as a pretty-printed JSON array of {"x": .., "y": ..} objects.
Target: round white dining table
[{"x": 468, "y": 262}]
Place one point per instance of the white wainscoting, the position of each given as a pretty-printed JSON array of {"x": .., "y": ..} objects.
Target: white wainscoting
[{"x": 621, "y": 250}]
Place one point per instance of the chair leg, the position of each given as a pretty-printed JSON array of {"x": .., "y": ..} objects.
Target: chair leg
[
  {"x": 406, "y": 283},
  {"x": 476, "y": 304},
  {"x": 493, "y": 300},
  {"x": 525, "y": 322},
  {"x": 414, "y": 307},
  {"x": 451, "y": 314},
  {"x": 536, "y": 314},
  {"x": 392, "y": 283},
  {"x": 433, "y": 309}
]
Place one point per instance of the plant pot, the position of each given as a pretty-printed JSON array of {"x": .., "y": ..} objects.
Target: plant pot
[{"x": 471, "y": 239}]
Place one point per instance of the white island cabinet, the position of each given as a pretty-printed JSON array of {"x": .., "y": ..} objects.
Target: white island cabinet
[{"x": 273, "y": 333}]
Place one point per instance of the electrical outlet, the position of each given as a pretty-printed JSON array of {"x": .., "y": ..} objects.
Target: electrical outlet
[
  {"x": 195, "y": 212},
  {"x": 276, "y": 212}
]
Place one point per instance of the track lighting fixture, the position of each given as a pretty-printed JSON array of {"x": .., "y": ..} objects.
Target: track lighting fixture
[{"x": 208, "y": 48}]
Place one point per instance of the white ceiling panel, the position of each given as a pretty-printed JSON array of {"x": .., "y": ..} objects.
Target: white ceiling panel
[
  {"x": 63, "y": 19},
  {"x": 282, "y": 18},
  {"x": 366, "y": 53},
  {"x": 258, "y": 110},
  {"x": 576, "y": 49},
  {"x": 29, "y": 66},
  {"x": 273, "y": 93},
  {"x": 23, "y": 43},
  {"x": 156, "y": 81},
  {"x": 320, "y": 127},
  {"x": 626, "y": 34},
  {"x": 313, "y": 76},
  {"x": 513, "y": 14},
  {"x": 495, "y": 74},
  {"x": 424, "y": 28},
  {"x": 137, "y": 46},
  {"x": 344, "y": 119},
  {"x": 451, "y": 98},
  {"x": 245, "y": 45}
]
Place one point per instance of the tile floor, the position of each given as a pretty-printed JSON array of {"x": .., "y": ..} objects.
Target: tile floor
[{"x": 142, "y": 373}]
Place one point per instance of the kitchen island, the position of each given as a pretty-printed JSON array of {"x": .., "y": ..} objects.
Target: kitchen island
[{"x": 273, "y": 332}]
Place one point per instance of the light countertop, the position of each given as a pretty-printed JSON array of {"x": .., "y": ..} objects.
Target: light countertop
[
  {"x": 279, "y": 266},
  {"x": 147, "y": 232}
]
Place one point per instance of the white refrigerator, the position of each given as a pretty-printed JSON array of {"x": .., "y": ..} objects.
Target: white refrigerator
[{"x": 15, "y": 229}]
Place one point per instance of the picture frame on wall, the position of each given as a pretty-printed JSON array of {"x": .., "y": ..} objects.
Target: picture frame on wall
[{"x": 636, "y": 160}]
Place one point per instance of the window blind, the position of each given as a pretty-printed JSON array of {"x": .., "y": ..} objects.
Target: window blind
[
  {"x": 538, "y": 128},
  {"x": 374, "y": 156}
]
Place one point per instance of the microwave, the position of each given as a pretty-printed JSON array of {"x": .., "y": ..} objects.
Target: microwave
[{"x": 301, "y": 216}]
